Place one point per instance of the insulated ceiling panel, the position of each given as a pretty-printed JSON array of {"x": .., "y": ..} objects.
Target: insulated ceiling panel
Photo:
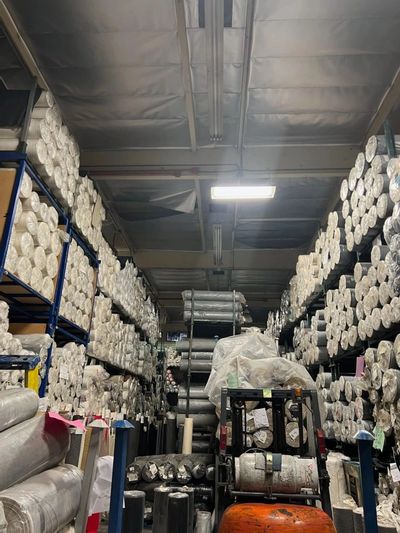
[{"x": 318, "y": 70}]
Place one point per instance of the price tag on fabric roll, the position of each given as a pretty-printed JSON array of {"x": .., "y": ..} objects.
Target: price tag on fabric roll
[
  {"x": 294, "y": 433},
  {"x": 267, "y": 393},
  {"x": 261, "y": 436},
  {"x": 64, "y": 373},
  {"x": 394, "y": 472}
]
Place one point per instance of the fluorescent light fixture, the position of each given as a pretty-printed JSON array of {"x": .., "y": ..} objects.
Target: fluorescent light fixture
[{"x": 242, "y": 192}]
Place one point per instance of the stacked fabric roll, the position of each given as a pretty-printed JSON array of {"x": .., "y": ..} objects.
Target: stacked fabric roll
[
  {"x": 109, "y": 396},
  {"x": 108, "y": 268},
  {"x": 36, "y": 242},
  {"x": 12, "y": 345},
  {"x": 214, "y": 306},
  {"x": 345, "y": 406},
  {"x": 79, "y": 287},
  {"x": 89, "y": 213},
  {"x": 65, "y": 377},
  {"x": 110, "y": 339},
  {"x": 275, "y": 322},
  {"x": 51, "y": 148},
  {"x": 150, "y": 322},
  {"x": 310, "y": 339},
  {"x": 36, "y": 494}
]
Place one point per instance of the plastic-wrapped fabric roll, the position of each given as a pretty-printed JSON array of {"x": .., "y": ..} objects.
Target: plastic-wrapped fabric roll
[
  {"x": 39, "y": 258},
  {"x": 217, "y": 296},
  {"x": 46, "y": 502},
  {"x": 26, "y": 186},
  {"x": 16, "y": 406},
  {"x": 150, "y": 471},
  {"x": 23, "y": 243},
  {"x": 52, "y": 218},
  {"x": 203, "y": 522},
  {"x": 51, "y": 265},
  {"x": 385, "y": 355},
  {"x": 24, "y": 269},
  {"x": 55, "y": 243},
  {"x": 167, "y": 471},
  {"x": 292, "y": 434},
  {"x": 263, "y": 438},
  {"x": 43, "y": 235},
  {"x": 38, "y": 443},
  {"x": 27, "y": 222},
  {"x": 36, "y": 280},
  {"x": 391, "y": 385},
  {"x": 199, "y": 345},
  {"x": 11, "y": 259},
  {"x": 196, "y": 365},
  {"x": 213, "y": 316},
  {"x": 48, "y": 288},
  {"x": 43, "y": 213},
  {"x": 31, "y": 203}
]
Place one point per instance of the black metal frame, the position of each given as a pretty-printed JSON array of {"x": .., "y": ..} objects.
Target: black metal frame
[{"x": 233, "y": 405}]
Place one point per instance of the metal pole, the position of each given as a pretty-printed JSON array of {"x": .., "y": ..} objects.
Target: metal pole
[
  {"x": 364, "y": 440},
  {"x": 189, "y": 370},
  {"x": 122, "y": 428},
  {"x": 391, "y": 147},
  {"x": 27, "y": 120}
]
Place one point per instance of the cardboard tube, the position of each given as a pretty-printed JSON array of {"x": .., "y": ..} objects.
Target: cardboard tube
[{"x": 187, "y": 436}]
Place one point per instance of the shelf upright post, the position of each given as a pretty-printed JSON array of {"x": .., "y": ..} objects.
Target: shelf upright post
[
  {"x": 233, "y": 313},
  {"x": 189, "y": 371}
]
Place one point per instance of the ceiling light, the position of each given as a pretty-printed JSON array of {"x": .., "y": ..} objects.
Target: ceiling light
[{"x": 242, "y": 192}]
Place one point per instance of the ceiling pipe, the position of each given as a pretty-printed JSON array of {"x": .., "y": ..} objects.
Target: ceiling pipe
[
  {"x": 214, "y": 25},
  {"x": 244, "y": 92},
  {"x": 186, "y": 74}
]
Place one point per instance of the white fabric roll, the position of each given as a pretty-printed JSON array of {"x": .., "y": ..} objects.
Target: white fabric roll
[
  {"x": 24, "y": 269},
  {"x": 36, "y": 279},
  {"x": 11, "y": 259},
  {"x": 43, "y": 235},
  {"x": 52, "y": 220},
  {"x": 26, "y": 186},
  {"x": 27, "y": 222},
  {"x": 43, "y": 212},
  {"x": 32, "y": 203},
  {"x": 48, "y": 288},
  {"x": 51, "y": 265},
  {"x": 23, "y": 243},
  {"x": 39, "y": 258}
]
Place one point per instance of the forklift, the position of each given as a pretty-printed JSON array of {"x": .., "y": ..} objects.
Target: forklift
[{"x": 255, "y": 488}]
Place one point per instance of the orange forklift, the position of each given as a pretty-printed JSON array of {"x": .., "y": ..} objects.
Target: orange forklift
[{"x": 282, "y": 489}]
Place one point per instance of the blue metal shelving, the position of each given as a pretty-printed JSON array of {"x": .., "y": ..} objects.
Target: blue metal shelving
[{"x": 26, "y": 304}]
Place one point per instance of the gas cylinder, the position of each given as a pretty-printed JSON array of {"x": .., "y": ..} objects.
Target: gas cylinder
[{"x": 274, "y": 518}]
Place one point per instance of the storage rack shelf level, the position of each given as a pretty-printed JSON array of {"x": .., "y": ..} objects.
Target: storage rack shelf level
[{"x": 29, "y": 310}]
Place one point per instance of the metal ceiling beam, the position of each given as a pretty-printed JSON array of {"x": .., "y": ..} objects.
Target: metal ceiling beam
[
  {"x": 19, "y": 43},
  {"x": 389, "y": 100},
  {"x": 201, "y": 216},
  {"x": 276, "y": 219},
  {"x": 278, "y": 160},
  {"x": 271, "y": 259},
  {"x": 186, "y": 74},
  {"x": 244, "y": 91}
]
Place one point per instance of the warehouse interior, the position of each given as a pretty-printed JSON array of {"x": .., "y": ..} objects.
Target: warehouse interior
[{"x": 166, "y": 333}]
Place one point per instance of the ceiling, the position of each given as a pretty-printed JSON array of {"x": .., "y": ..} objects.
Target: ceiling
[{"x": 304, "y": 83}]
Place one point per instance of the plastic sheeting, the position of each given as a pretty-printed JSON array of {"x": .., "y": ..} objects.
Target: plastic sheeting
[
  {"x": 44, "y": 503},
  {"x": 247, "y": 362},
  {"x": 17, "y": 405},
  {"x": 30, "y": 448}
]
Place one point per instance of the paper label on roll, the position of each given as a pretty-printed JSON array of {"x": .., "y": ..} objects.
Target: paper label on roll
[
  {"x": 261, "y": 436},
  {"x": 294, "y": 433},
  {"x": 153, "y": 469},
  {"x": 260, "y": 418},
  {"x": 64, "y": 372},
  {"x": 394, "y": 472}
]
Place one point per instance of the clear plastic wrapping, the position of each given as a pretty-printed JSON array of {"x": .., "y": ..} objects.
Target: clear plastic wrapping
[
  {"x": 17, "y": 405},
  {"x": 30, "y": 448},
  {"x": 45, "y": 503}
]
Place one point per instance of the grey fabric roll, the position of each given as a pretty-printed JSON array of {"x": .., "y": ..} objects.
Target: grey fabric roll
[
  {"x": 30, "y": 448},
  {"x": 198, "y": 345},
  {"x": 196, "y": 391},
  {"x": 199, "y": 421},
  {"x": 343, "y": 518},
  {"x": 16, "y": 406},
  {"x": 218, "y": 296},
  {"x": 212, "y": 316},
  {"x": 198, "y": 356},
  {"x": 212, "y": 306},
  {"x": 196, "y": 365},
  {"x": 196, "y": 406},
  {"x": 44, "y": 503}
]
